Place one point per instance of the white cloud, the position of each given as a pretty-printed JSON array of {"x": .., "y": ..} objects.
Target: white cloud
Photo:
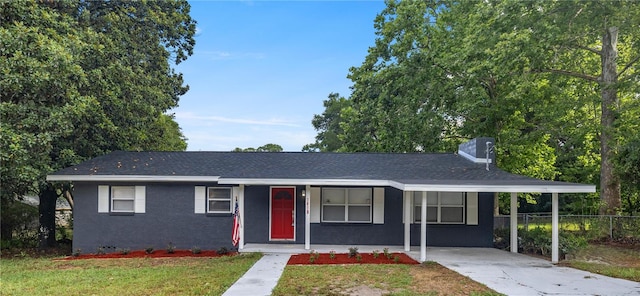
[{"x": 209, "y": 120}]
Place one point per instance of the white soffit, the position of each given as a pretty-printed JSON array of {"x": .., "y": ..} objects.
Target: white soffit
[
  {"x": 312, "y": 182},
  {"x": 560, "y": 188}
]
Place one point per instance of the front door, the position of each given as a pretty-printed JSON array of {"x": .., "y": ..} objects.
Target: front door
[{"x": 282, "y": 213}]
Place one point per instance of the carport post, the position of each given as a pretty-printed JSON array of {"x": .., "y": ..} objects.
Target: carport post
[
  {"x": 554, "y": 228},
  {"x": 307, "y": 218},
  {"x": 423, "y": 228},
  {"x": 241, "y": 210},
  {"x": 513, "y": 224},
  {"x": 407, "y": 220}
]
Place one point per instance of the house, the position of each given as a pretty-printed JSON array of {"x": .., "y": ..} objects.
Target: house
[{"x": 140, "y": 199}]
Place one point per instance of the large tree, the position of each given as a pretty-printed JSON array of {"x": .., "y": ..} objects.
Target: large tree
[
  {"x": 548, "y": 79},
  {"x": 82, "y": 78}
]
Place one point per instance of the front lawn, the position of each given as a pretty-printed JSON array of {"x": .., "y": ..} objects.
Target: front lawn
[
  {"x": 139, "y": 276},
  {"x": 429, "y": 278}
]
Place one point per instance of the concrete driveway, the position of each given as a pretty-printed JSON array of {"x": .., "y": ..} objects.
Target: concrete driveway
[{"x": 517, "y": 274}]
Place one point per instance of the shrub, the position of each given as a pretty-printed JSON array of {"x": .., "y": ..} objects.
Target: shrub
[
  {"x": 100, "y": 251},
  {"x": 76, "y": 253},
  {"x": 313, "y": 256},
  {"x": 358, "y": 257},
  {"x": 148, "y": 250},
  {"x": 375, "y": 254},
  {"x": 196, "y": 250},
  {"x": 386, "y": 253},
  {"x": 332, "y": 254},
  {"x": 353, "y": 251},
  {"x": 223, "y": 251},
  {"x": 171, "y": 248},
  {"x": 124, "y": 251}
]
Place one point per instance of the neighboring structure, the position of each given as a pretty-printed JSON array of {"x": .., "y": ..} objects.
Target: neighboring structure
[{"x": 141, "y": 199}]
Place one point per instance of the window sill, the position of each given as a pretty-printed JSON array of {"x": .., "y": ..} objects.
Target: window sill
[
  {"x": 218, "y": 215},
  {"x": 121, "y": 213}
]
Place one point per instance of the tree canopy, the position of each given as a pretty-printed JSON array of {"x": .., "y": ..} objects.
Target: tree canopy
[
  {"x": 83, "y": 78},
  {"x": 264, "y": 148},
  {"x": 555, "y": 82}
]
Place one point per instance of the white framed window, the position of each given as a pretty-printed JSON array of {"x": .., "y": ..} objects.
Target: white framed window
[
  {"x": 350, "y": 205},
  {"x": 442, "y": 207},
  {"x": 219, "y": 200},
  {"x": 123, "y": 199}
]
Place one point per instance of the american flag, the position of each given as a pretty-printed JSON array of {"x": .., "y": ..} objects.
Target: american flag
[{"x": 235, "y": 234}]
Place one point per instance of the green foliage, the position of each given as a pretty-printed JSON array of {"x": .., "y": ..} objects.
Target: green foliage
[
  {"x": 171, "y": 248},
  {"x": 148, "y": 250},
  {"x": 196, "y": 250},
  {"x": 328, "y": 125},
  {"x": 353, "y": 251},
  {"x": 263, "y": 148},
  {"x": 82, "y": 78}
]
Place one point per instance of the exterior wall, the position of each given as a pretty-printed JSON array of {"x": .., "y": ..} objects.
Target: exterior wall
[
  {"x": 169, "y": 218},
  {"x": 452, "y": 235}
]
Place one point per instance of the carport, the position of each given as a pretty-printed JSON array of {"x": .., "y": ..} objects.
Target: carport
[{"x": 513, "y": 186}]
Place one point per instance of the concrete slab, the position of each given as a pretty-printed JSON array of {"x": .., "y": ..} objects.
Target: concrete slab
[
  {"x": 518, "y": 274},
  {"x": 261, "y": 278}
]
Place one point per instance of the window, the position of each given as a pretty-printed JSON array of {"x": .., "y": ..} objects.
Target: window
[
  {"x": 442, "y": 207},
  {"x": 123, "y": 199},
  {"x": 346, "y": 205},
  {"x": 219, "y": 200}
]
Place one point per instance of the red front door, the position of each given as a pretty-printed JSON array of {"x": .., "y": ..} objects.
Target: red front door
[{"x": 282, "y": 213}]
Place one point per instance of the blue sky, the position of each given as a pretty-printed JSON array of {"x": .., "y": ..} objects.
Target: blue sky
[{"x": 261, "y": 69}]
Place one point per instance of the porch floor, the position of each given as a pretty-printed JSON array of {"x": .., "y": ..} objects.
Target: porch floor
[{"x": 299, "y": 248}]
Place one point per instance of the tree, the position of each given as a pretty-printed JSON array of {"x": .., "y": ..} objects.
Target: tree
[
  {"x": 82, "y": 79},
  {"x": 546, "y": 79},
  {"x": 263, "y": 148},
  {"x": 328, "y": 125}
]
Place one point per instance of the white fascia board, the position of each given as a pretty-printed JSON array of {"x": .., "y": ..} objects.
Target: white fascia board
[
  {"x": 501, "y": 188},
  {"x": 312, "y": 182},
  {"x": 131, "y": 178},
  {"x": 473, "y": 158}
]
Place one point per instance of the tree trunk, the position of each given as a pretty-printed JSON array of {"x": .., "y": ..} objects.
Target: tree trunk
[
  {"x": 609, "y": 183},
  {"x": 47, "y": 209}
]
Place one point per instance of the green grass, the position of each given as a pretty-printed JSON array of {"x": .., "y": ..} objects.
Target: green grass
[
  {"x": 141, "y": 276},
  {"x": 610, "y": 260},
  {"x": 388, "y": 279}
]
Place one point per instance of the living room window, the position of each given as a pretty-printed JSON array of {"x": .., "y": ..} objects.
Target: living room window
[
  {"x": 350, "y": 205},
  {"x": 442, "y": 207},
  {"x": 219, "y": 200}
]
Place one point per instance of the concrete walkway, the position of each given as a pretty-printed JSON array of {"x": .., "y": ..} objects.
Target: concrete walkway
[
  {"x": 517, "y": 274},
  {"x": 504, "y": 272},
  {"x": 261, "y": 278}
]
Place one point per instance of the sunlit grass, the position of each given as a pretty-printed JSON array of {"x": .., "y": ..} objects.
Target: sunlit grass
[{"x": 140, "y": 276}]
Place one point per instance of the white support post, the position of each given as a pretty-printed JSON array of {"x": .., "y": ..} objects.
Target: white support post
[
  {"x": 554, "y": 228},
  {"x": 423, "y": 228},
  {"x": 241, "y": 210},
  {"x": 407, "y": 220},
  {"x": 514, "y": 222},
  {"x": 307, "y": 218}
]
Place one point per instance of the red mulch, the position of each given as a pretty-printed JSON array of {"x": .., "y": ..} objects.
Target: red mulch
[
  {"x": 154, "y": 254},
  {"x": 343, "y": 258}
]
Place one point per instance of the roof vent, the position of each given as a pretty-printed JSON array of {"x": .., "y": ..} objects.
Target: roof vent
[{"x": 479, "y": 150}]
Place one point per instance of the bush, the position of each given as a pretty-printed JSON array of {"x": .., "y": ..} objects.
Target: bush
[
  {"x": 196, "y": 250},
  {"x": 353, "y": 251},
  {"x": 223, "y": 251}
]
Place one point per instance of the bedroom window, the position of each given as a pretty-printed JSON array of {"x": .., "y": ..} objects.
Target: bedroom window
[
  {"x": 123, "y": 199},
  {"x": 442, "y": 207},
  {"x": 351, "y": 205},
  {"x": 219, "y": 200}
]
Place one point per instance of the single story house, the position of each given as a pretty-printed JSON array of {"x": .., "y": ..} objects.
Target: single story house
[{"x": 149, "y": 199}]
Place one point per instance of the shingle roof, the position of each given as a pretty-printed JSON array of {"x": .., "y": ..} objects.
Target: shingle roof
[{"x": 411, "y": 168}]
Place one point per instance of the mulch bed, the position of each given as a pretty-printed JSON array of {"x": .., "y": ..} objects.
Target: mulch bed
[
  {"x": 154, "y": 254},
  {"x": 343, "y": 258}
]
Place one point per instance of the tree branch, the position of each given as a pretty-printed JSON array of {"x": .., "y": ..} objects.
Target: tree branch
[
  {"x": 593, "y": 50},
  {"x": 628, "y": 65},
  {"x": 568, "y": 73}
]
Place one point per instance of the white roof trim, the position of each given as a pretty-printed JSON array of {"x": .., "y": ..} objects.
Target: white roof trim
[
  {"x": 548, "y": 188},
  {"x": 473, "y": 158},
  {"x": 131, "y": 178},
  {"x": 312, "y": 182},
  {"x": 573, "y": 188}
]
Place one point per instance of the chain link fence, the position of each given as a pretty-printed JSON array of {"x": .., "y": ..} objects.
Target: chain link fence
[{"x": 592, "y": 227}]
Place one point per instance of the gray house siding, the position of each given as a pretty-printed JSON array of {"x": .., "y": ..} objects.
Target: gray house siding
[{"x": 169, "y": 218}]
